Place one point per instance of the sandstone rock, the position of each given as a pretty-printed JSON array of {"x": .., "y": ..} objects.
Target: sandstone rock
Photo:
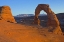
[
  {"x": 5, "y": 14},
  {"x": 37, "y": 21},
  {"x": 52, "y": 19}
]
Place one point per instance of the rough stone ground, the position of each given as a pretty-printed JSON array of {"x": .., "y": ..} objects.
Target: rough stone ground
[{"x": 10, "y": 32}]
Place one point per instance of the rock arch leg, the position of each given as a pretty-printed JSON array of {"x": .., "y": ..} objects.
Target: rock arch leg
[{"x": 36, "y": 20}]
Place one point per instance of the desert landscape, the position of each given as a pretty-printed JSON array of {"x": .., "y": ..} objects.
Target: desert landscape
[
  {"x": 35, "y": 27},
  {"x": 30, "y": 29}
]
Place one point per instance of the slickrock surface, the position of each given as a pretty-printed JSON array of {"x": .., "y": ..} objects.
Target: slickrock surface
[{"x": 10, "y": 32}]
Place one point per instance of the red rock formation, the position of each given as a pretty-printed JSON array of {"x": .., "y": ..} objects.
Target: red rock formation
[
  {"x": 52, "y": 19},
  {"x": 37, "y": 21},
  {"x": 5, "y": 14}
]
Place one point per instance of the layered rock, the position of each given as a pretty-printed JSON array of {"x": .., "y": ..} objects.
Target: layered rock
[
  {"x": 5, "y": 14},
  {"x": 52, "y": 19}
]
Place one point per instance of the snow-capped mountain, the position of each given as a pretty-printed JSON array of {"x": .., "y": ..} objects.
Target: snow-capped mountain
[{"x": 28, "y": 15}]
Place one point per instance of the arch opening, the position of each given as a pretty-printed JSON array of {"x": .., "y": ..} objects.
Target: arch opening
[
  {"x": 43, "y": 18},
  {"x": 42, "y": 13}
]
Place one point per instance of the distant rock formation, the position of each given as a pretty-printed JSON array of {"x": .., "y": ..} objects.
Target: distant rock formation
[
  {"x": 52, "y": 19},
  {"x": 5, "y": 14}
]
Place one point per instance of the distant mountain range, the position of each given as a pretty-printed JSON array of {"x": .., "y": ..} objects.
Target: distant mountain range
[
  {"x": 59, "y": 15},
  {"x": 28, "y": 15}
]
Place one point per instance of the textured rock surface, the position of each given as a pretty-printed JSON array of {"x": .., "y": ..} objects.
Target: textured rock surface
[
  {"x": 10, "y": 32},
  {"x": 5, "y": 14},
  {"x": 52, "y": 19},
  {"x": 37, "y": 21}
]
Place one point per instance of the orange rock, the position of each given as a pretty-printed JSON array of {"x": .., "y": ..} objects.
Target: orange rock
[
  {"x": 52, "y": 19},
  {"x": 5, "y": 14}
]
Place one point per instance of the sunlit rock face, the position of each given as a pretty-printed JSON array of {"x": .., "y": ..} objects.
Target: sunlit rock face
[
  {"x": 5, "y": 14},
  {"x": 52, "y": 19}
]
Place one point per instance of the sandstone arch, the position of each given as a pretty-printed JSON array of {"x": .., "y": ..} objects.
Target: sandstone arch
[
  {"x": 5, "y": 14},
  {"x": 52, "y": 19}
]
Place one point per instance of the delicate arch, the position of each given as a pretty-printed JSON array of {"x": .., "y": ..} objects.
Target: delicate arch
[
  {"x": 52, "y": 19},
  {"x": 51, "y": 15}
]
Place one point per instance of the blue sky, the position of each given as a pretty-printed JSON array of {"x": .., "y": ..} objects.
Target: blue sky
[{"x": 28, "y": 6}]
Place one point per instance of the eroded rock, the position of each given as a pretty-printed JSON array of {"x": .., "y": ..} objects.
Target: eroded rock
[
  {"x": 5, "y": 14},
  {"x": 52, "y": 19}
]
